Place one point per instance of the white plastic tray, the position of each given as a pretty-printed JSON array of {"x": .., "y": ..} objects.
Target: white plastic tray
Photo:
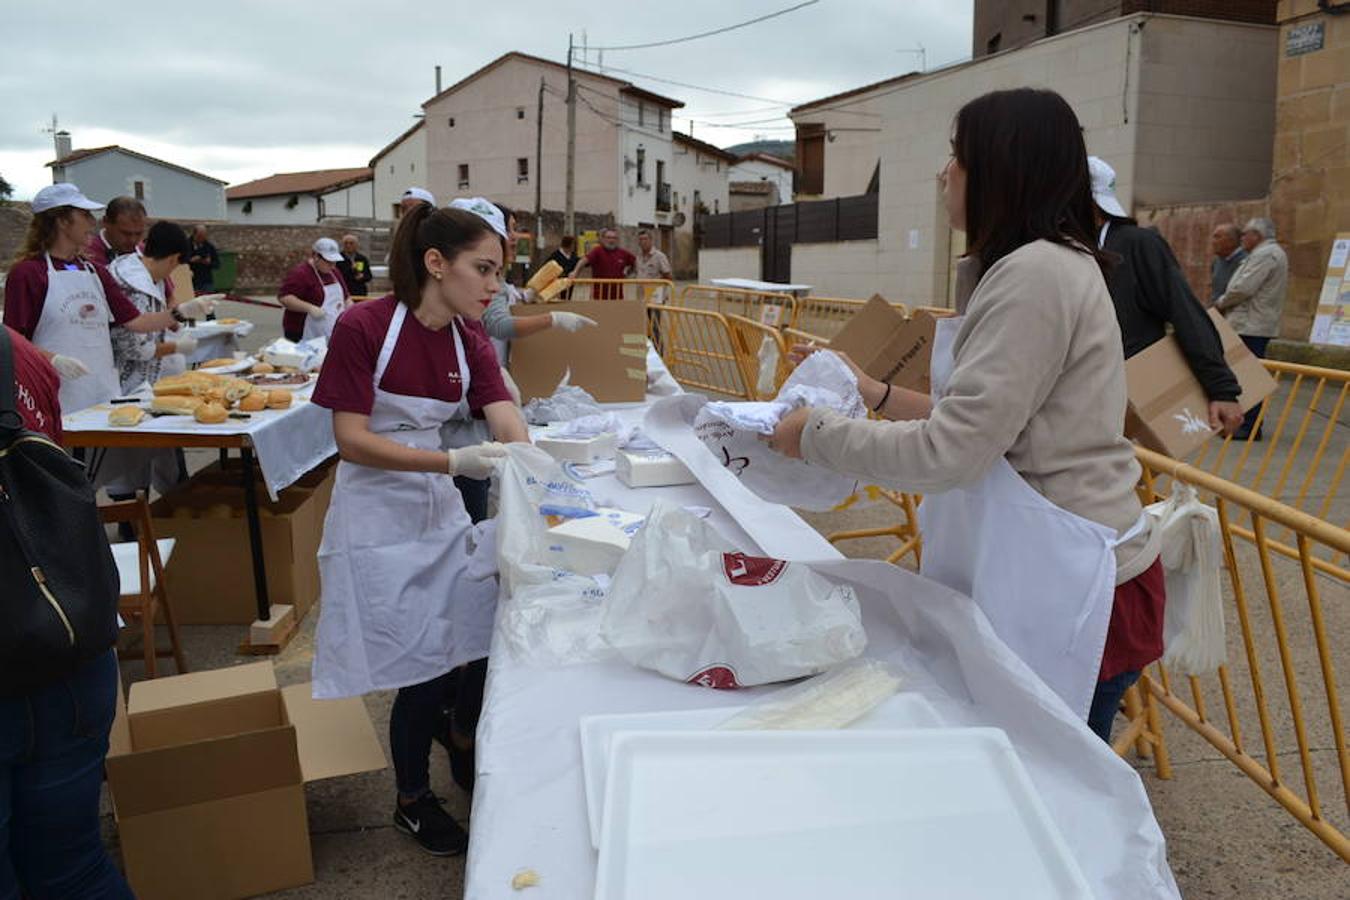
[
  {"x": 802, "y": 815},
  {"x": 903, "y": 710}
]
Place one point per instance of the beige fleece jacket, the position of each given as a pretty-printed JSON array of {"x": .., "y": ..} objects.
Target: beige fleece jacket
[{"x": 1039, "y": 377}]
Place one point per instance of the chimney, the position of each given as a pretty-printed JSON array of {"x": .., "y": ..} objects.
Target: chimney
[
  {"x": 62, "y": 139},
  {"x": 438, "y": 79}
]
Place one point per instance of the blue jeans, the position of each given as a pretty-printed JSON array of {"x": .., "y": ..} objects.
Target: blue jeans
[
  {"x": 52, "y": 745},
  {"x": 1106, "y": 702}
]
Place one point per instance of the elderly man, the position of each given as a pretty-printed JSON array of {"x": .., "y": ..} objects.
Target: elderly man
[
  {"x": 1254, "y": 298},
  {"x": 121, "y": 231},
  {"x": 609, "y": 261},
  {"x": 355, "y": 267},
  {"x": 1225, "y": 244}
]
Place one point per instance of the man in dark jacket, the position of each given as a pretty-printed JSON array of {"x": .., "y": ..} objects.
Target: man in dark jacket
[
  {"x": 355, "y": 266},
  {"x": 1150, "y": 292}
]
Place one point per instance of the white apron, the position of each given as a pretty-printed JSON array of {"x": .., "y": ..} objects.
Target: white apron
[
  {"x": 1044, "y": 577},
  {"x": 400, "y": 604},
  {"x": 75, "y": 322},
  {"x": 333, "y": 305}
]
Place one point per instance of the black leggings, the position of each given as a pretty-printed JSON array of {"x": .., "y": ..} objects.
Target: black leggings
[{"x": 418, "y": 714}]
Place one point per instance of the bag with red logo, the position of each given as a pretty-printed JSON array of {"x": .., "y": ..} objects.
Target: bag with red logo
[{"x": 685, "y": 603}]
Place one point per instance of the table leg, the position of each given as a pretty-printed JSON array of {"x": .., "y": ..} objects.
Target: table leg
[
  {"x": 224, "y": 458},
  {"x": 255, "y": 534}
]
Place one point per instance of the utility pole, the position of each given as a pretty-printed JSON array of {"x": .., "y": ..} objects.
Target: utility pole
[
  {"x": 569, "y": 215},
  {"x": 539, "y": 174}
]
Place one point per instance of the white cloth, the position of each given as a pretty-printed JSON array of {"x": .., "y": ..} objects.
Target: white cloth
[
  {"x": 399, "y": 604},
  {"x": 1044, "y": 576},
  {"x": 334, "y": 302},
  {"x": 528, "y": 807},
  {"x": 287, "y": 442},
  {"x": 75, "y": 322}
]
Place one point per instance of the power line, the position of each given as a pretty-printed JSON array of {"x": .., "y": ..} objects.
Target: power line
[
  {"x": 694, "y": 37},
  {"x": 695, "y": 87}
]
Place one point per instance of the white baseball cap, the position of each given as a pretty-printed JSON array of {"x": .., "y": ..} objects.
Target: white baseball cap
[
  {"x": 1104, "y": 187},
  {"x": 63, "y": 194},
  {"x": 328, "y": 249},
  {"x": 417, "y": 193},
  {"x": 485, "y": 209}
]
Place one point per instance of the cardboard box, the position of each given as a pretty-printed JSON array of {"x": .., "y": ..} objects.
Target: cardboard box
[
  {"x": 888, "y": 346},
  {"x": 609, "y": 361},
  {"x": 209, "y": 796},
  {"x": 1168, "y": 410},
  {"x": 181, "y": 277},
  {"x": 210, "y": 574}
]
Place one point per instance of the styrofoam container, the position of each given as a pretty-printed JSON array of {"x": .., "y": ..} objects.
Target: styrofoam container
[
  {"x": 801, "y": 815},
  {"x": 903, "y": 710},
  {"x": 650, "y": 469},
  {"x": 576, "y": 449}
]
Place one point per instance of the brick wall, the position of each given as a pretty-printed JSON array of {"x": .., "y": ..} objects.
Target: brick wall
[
  {"x": 1187, "y": 230},
  {"x": 1261, "y": 12}
]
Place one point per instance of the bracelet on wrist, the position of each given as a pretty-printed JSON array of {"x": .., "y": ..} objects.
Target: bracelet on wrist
[{"x": 882, "y": 402}]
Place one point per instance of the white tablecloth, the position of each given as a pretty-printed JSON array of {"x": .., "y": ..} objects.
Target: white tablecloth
[
  {"x": 287, "y": 442},
  {"x": 529, "y": 807}
]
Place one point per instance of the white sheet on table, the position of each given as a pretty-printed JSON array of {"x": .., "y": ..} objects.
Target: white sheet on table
[{"x": 530, "y": 809}]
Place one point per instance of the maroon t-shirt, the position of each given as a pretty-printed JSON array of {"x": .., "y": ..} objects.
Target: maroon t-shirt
[
  {"x": 305, "y": 282},
  {"x": 423, "y": 363},
  {"x": 609, "y": 264},
  {"x": 37, "y": 387},
  {"x": 26, "y": 292}
]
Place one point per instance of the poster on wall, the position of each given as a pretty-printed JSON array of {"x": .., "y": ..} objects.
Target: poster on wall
[{"x": 1332, "y": 323}]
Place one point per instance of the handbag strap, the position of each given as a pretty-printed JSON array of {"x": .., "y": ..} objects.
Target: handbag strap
[{"x": 10, "y": 420}]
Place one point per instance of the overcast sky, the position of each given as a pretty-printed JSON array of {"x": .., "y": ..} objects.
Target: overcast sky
[{"x": 239, "y": 89}]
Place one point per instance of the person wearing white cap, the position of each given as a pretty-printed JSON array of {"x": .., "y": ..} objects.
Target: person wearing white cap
[
  {"x": 313, "y": 293},
  {"x": 413, "y": 196},
  {"x": 1150, "y": 291},
  {"x": 66, "y": 305}
]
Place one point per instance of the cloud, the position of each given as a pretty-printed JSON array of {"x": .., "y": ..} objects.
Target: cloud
[{"x": 244, "y": 88}]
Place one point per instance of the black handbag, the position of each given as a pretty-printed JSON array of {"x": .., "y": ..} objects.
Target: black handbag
[{"x": 58, "y": 583}]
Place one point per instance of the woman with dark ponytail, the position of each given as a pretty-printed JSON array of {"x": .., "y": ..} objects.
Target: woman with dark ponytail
[{"x": 400, "y": 610}]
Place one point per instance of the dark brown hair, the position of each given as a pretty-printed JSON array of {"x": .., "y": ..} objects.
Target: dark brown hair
[
  {"x": 1026, "y": 174},
  {"x": 422, "y": 228},
  {"x": 568, "y": 242}
]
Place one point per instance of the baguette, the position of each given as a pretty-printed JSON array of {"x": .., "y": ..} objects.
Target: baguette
[
  {"x": 546, "y": 275},
  {"x": 126, "y": 416},
  {"x": 175, "y": 405},
  {"x": 554, "y": 289},
  {"x": 217, "y": 363}
]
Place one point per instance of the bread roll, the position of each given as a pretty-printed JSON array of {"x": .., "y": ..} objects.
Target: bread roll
[
  {"x": 210, "y": 414},
  {"x": 253, "y": 402},
  {"x": 278, "y": 399},
  {"x": 175, "y": 405},
  {"x": 126, "y": 416},
  {"x": 547, "y": 274},
  {"x": 263, "y": 369},
  {"x": 236, "y": 390}
]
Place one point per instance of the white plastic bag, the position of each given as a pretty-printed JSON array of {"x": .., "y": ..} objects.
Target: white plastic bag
[
  {"x": 732, "y": 431},
  {"x": 567, "y": 402},
  {"x": 1192, "y": 556},
  {"x": 685, "y": 603},
  {"x": 550, "y": 615}
]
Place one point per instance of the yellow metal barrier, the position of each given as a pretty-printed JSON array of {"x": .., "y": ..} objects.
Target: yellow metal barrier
[
  {"x": 645, "y": 290},
  {"x": 1303, "y": 436},
  {"x": 699, "y": 349},
  {"x": 1262, "y": 568},
  {"x": 825, "y": 316},
  {"x": 777, "y": 310}
]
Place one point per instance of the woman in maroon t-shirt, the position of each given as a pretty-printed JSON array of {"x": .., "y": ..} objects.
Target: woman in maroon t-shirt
[{"x": 401, "y": 608}]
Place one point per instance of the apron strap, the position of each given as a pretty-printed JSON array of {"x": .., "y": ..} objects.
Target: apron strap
[{"x": 390, "y": 339}]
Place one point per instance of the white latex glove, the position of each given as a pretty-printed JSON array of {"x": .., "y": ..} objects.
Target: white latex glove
[
  {"x": 477, "y": 461},
  {"x": 69, "y": 367},
  {"x": 511, "y": 387},
  {"x": 196, "y": 308},
  {"x": 185, "y": 344},
  {"x": 317, "y": 312},
  {"x": 571, "y": 321}
]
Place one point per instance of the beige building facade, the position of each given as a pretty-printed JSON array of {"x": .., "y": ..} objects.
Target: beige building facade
[
  {"x": 1183, "y": 108},
  {"x": 399, "y": 166},
  {"x": 481, "y": 132},
  {"x": 699, "y": 178}
]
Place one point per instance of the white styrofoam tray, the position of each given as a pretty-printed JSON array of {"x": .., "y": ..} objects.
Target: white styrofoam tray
[
  {"x": 903, "y": 710},
  {"x": 801, "y": 815}
]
